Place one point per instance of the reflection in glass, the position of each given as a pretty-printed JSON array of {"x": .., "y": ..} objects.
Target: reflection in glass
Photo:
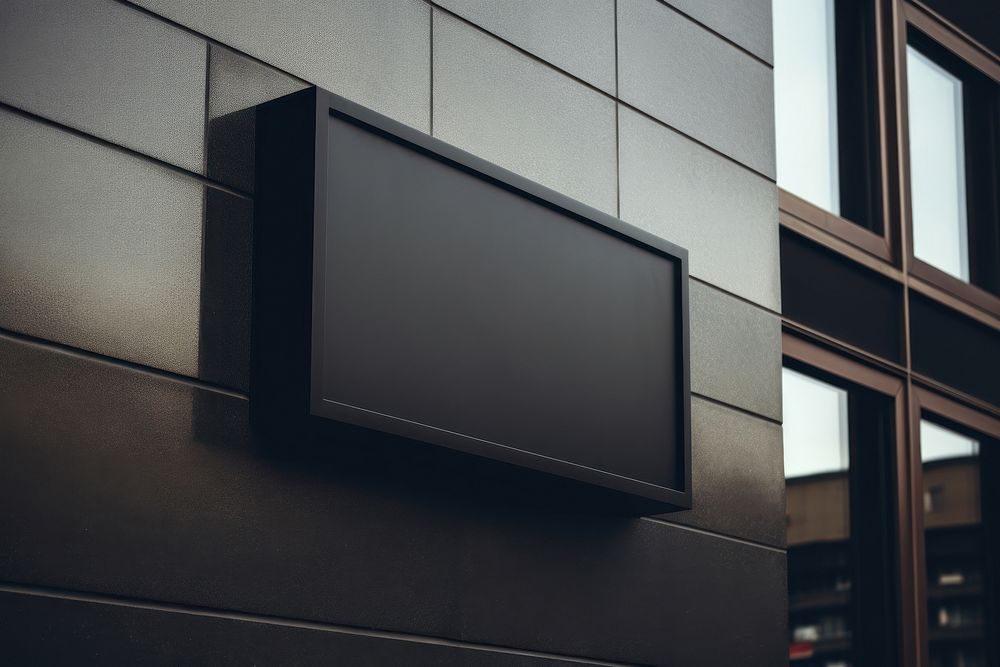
[
  {"x": 954, "y": 550},
  {"x": 818, "y": 520},
  {"x": 805, "y": 101},
  {"x": 937, "y": 165}
]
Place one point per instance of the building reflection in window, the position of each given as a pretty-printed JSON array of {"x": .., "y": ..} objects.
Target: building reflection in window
[
  {"x": 817, "y": 462},
  {"x": 954, "y": 547}
]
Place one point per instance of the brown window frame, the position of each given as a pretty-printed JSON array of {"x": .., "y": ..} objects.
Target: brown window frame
[
  {"x": 912, "y": 395},
  {"x": 819, "y": 224},
  {"x": 891, "y": 256},
  {"x": 815, "y": 354},
  {"x": 923, "y": 275},
  {"x": 891, "y": 253},
  {"x": 924, "y": 399}
]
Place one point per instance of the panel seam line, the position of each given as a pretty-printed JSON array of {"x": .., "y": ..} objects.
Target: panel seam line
[
  {"x": 736, "y": 408},
  {"x": 723, "y": 290},
  {"x": 132, "y": 152},
  {"x": 716, "y": 33},
  {"x": 80, "y": 353},
  {"x": 665, "y": 520},
  {"x": 248, "y": 617}
]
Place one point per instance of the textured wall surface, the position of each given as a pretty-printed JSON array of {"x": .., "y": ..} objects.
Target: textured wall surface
[{"x": 143, "y": 521}]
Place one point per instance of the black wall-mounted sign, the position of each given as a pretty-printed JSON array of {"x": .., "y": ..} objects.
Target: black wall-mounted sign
[{"x": 452, "y": 302}]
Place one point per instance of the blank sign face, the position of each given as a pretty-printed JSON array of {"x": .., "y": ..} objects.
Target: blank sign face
[{"x": 462, "y": 310}]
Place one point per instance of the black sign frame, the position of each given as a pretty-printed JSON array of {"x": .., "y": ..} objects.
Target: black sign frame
[{"x": 325, "y": 105}]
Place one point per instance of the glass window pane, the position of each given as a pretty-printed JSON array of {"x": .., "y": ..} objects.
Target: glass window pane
[
  {"x": 818, "y": 520},
  {"x": 805, "y": 101},
  {"x": 937, "y": 442},
  {"x": 815, "y": 425},
  {"x": 954, "y": 546},
  {"x": 937, "y": 165}
]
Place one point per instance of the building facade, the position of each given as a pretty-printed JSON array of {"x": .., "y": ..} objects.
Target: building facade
[
  {"x": 886, "y": 117},
  {"x": 144, "y": 518}
]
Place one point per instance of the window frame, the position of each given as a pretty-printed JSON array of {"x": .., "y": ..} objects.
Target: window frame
[
  {"x": 926, "y": 400},
  {"x": 812, "y": 354},
  {"x": 891, "y": 257},
  {"x": 911, "y": 15},
  {"x": 819, "y": 224},
  {"x": 889, "y": 253}
]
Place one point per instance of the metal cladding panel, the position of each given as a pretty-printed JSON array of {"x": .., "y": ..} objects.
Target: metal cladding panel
[{"x": 459, "y": 304}]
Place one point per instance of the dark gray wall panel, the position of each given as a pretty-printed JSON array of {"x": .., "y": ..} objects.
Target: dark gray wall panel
[
  {"x": 374, "y": 52},
  {"x": 635, "y": 591},
  {"x": 523, "y": 115},
  {"x": 745, "y": 22},
  {"x": 98, "y": 249},
  {"x": 130, "y": 484},
  {"x": 109, "y": 70},
  {"x": 575, "y": 35},
  {"x": 725, "y": 215},
  {"x": 235, "y": 85},
  {"x": 737, "y": 475},
  {"x": 677, "y": 71},
  {"x": 735, "y": 352},
  {"x": 58, "y": 631}
]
